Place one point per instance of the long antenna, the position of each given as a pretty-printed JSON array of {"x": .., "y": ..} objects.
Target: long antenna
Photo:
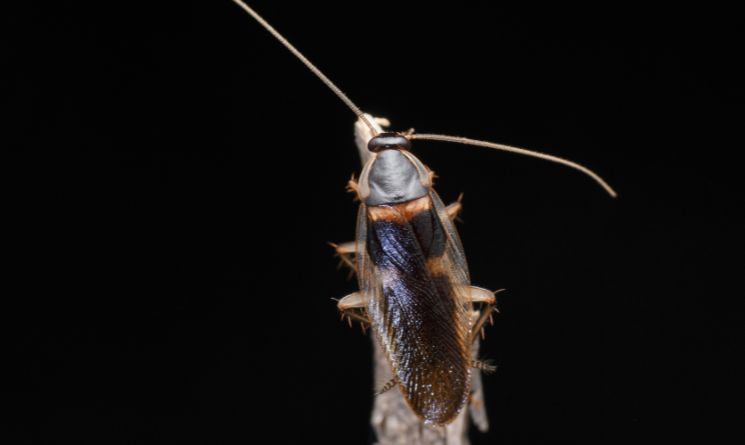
[
  {"x": 433, "y": 137},
  {"x": 520, "y": 151},
  {"x": 309, "y": 64}
]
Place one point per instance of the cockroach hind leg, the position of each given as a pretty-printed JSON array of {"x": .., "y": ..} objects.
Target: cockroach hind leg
[
  {"x": 484, "y": 316},
  {"x": 485, "y": 366},
  {"x": 488, "y": 300},
  {"x": 390, "y": 384},
  {"x": 477, "y": 409}
]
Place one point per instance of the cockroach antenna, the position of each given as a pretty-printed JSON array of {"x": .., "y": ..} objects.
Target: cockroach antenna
[
  {"x": 344, "y": 98},
  {"x": 520, "y": 151},
  {"x": 432, "y": 137}
]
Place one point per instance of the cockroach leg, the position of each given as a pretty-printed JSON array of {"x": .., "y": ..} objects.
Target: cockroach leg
[
  {"x": 353, "y": 314},
  {"x": 345, "y": 252},
  {"x": 480, "y": 295},
  {"x": 478, "y": 327},
  {"x": 483, "y": 366},
  {"x": 474, "y": 402},
  {"x": 489, "y": 301},
  {"x": 387, "y": 387},
  {"x": 383, "y": 122},
  {"x": 352, "y": 185},
  {"x": 454, "y": 208},
  {"x": 352, "y": 307},
  {"x": 350, "y": 247}
]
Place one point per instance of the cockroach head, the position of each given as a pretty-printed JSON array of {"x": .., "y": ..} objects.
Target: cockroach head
[{"x": 388, "y": 141}]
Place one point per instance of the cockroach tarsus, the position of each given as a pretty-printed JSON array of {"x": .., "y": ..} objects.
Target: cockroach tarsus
[{"x": 415, "y": 291}]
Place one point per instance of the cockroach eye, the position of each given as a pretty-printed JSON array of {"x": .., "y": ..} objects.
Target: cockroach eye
[{"x": 388, "y": 141}]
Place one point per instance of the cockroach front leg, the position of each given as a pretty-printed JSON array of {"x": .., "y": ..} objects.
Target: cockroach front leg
[
  {"x": 454, "y": 208},
  {"x": 352, "y": 185},
  {"x": 352, "y": 307}
]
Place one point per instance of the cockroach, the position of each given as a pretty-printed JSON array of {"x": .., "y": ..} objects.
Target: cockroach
[{"x": 415, "y": 291}]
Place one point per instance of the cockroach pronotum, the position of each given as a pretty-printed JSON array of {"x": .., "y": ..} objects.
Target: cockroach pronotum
[{"x": 414, "y": 287}]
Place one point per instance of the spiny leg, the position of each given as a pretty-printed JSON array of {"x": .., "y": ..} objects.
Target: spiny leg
[
  {"x": 483, "y": 366},
  {"x": 352, "y": 185},
  {"x": 486, "y": 314},
  {"x": 476, "y": 406},
  {"x": 352, "y": 307},
  {"x": 346, "y": 252},
  {"x": 453, "y": 209},
  {"x": 488, "y": 300},
  {"x": 356, "y": 316},
  {"x": 390, "y": 384}
]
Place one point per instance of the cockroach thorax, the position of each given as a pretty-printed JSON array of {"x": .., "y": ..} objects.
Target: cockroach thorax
[{"x": 393, "y": 178}]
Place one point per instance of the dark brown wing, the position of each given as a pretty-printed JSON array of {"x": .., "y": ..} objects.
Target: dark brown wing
[{"x": 412, "y": 271}]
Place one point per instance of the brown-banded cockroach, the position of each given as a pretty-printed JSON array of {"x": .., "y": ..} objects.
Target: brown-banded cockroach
[{"x": 414, "y": 287}]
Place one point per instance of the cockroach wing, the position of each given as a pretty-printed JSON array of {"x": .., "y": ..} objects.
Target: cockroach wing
[{"x": 413, "y": 273}]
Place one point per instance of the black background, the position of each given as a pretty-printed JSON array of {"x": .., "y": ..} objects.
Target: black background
[{"x": 172, "y": 175}]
